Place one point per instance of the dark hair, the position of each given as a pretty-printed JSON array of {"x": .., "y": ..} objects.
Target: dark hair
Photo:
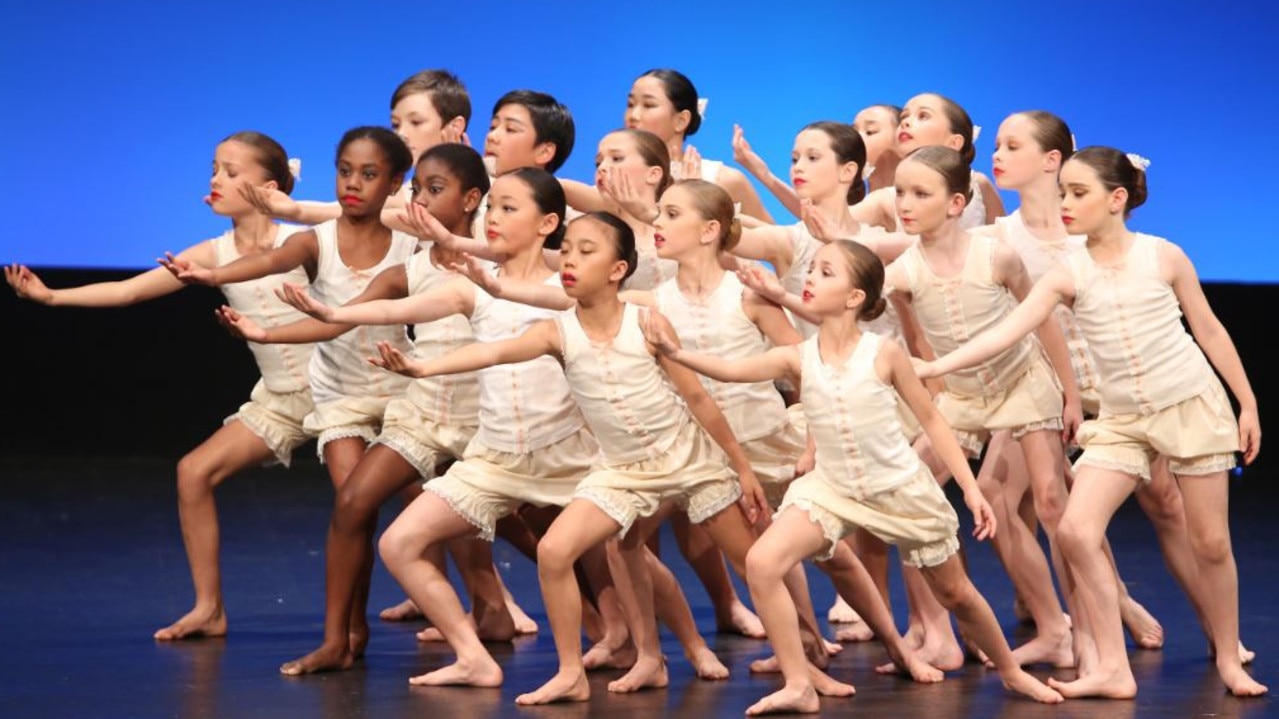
[
  {"x": 1116, "y": 170},
  {"x": 447, "y": 93},
  {"x": 464, "y": 163},
  {"x": 683, "y": 96},
  {"x": 713, "y": 202},
  {"x": 394, "y": 150},
  {"x": 868, "y": 275},
  {"x": 654, "y": 153},
  {"x": 948, "y": 163},
  {"x": 848, "y": 146},
  {"x": 623, "y": 238},
  {"x": 960, "y": 124},
  {"x": 549, "y": 196},
  {"x": 894, "y": 110},
  {"x": 552, "y": 122},
  {"x": 270, "y": 155},
  {"x": 1050, "y": 133}
]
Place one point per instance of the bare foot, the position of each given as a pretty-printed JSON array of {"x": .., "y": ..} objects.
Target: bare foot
[
  {"x": 1023, "y": 683},
  {"x": 827, "y": 686},
  {"x": 646, "y": 674},
  {"x": 859, "y": 632},
  {"x": 325, "y": 659},
  {"x": 767, "y": 665},
  {"x": 496, "y": 631},
  {"x": 944, "y": 654},
  {"x": 605, "y": 656},
  {"x": 1246, "y": 655},
  {"x": 196, "y": 623},
  {"x": 357, "y": 641},
  {"x": 524, "y": 624},
  {"x": 1117, "y": 684},
  {"x": 484, "y": 674},
  {"x": 910, "y": 665},
  {"x": 788, "y": 700},
  {"x": 742, "y": 621},
  {"x": 1144, "y": 629},
  {"x": 1046, "y": 649},
  {"x": 841, "y": 613},
  {"x": 914, "y": 636},
  {"x": 561, "y": 688},
  {"x": 405, "y": 611},
  {"x": 706, "y": 664},
  {"x": 1240, "y": 683}
]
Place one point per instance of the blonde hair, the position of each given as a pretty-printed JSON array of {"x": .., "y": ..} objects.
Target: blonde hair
[{"x": 712, "y": 202}]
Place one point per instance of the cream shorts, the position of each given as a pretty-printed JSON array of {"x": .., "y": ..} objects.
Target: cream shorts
[
  {"x": 916, "y": 516},
  {"x": 1032, "y": 403},
  {"x": 346, "y": 417},
  {"x": 488, "y": 485},
  {"x": 1198, "y": 436},
  {"x": 276, "y": 418},
  {"x": 420, "y": 439},
  {"x": 693, "y": 473}
]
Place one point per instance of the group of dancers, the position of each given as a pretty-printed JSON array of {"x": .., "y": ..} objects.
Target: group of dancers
[{"x": 589, "y": 360}]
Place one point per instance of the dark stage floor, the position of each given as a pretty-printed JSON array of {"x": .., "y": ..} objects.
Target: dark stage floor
[{"x": 92, "y": 563}]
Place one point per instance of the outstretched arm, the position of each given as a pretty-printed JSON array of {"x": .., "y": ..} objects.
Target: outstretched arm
[
  {"x": 542, "y": 338},
  {"x": 1055, "y": 287},
  {"x": 893, "y": 363},
  {"x": 766, "y": 285},
  {"x": 1215, "y": 341},
  {"x": 773, "y": 364},
  {"x": 300, "y": 249},
  {"x": 455, "y": 297},
  {"x": 708, "y": 414},
  {"x": 755, "y": 165},
  {"x": 536, "y": 294},
  {"x": 1012, "y": 272},
  {"x": 139, "y": 288}
]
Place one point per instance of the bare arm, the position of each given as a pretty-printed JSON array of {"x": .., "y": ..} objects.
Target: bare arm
[
  {"x": 122, "y": 293},
  {"x": 877, "y": 209},
  {"x": 893, "y": 364},
  {"x": 1055, "y": 287},
  {"x": 771, "y": 321},
  {"x": 457, "y": 297},
  {"x": 708, "y": 414},
  {"x": 755, "y": 165},
  {"x": 1012, "y": 273},
  {"x": 542, "y": 338},
  {"x": 774, "y": 364},
  {"x": 581, "y": 196},
  {"x": 1215, "y": 341},
  {"x": 770, "y": 243},
  {"x": 743, "y": 191},
  {"x": 301, "y": 249}
]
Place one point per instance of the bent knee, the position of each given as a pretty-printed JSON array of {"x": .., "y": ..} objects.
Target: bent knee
[
  {"x": 1076, "y": 538},
  {"x": 1212, "y": 547}
]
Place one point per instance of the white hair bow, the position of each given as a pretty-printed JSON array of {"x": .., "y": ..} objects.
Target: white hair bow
[
  {"x": 701, "y": 107},
  {"x": 1139, "y": 161},
  {"x": 976, "y": 132},
  {"x": 295, "y": 167}
]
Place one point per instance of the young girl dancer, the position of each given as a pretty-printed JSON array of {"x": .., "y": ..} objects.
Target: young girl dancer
[
  {"x": 268, "y": 427},
  {"x": 958, "y": 285},
  {"x": 931, "y": 119},
  {"x": 664, "y": 102},
  {"x": 428, "y": 427},
  {"x": 1159, "y": 396},
  {"x": 866, "y": 473}
]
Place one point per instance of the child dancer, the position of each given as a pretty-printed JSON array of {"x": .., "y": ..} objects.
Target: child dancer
[
  {"x": 931, "y": 119},
  {"x": 268, "y": 427},
  {"x": 866, "y": 473},
  {"x": 1159, "y": 396},
  {"x": 428, "y": 427}
]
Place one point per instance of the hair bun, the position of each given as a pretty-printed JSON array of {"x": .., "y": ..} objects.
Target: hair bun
[{"x": 875, "y": 310}]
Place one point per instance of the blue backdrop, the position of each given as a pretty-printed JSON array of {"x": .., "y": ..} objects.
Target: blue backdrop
[{"x": 112, "y": 110}]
